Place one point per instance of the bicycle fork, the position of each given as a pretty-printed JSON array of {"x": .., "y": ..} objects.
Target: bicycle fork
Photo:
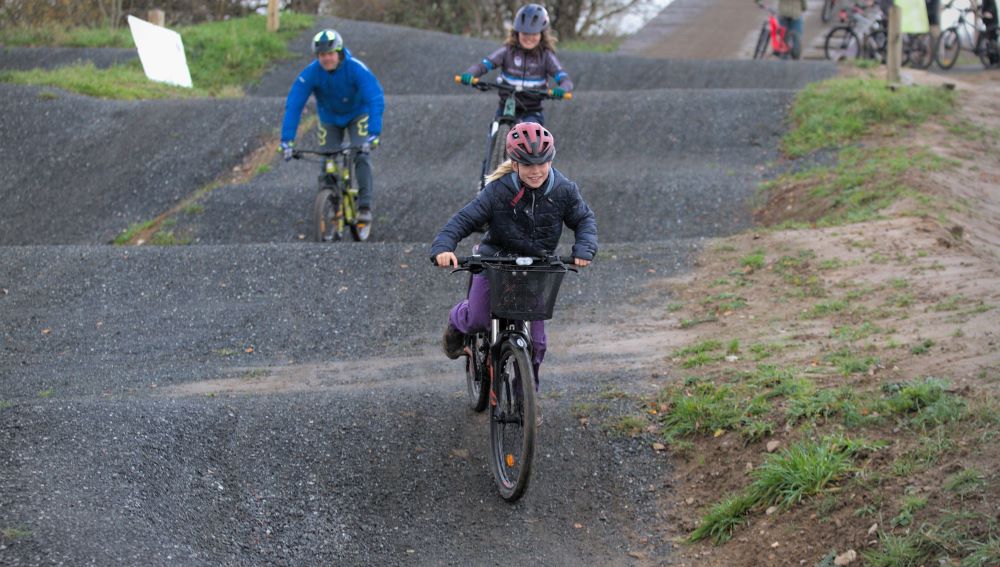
[{"x": 496, "y": 338}]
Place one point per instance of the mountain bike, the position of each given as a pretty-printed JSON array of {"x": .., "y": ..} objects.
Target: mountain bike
[
  {"x": 773, "y": 33},
  {"x": 336, "y": 207},
  {"x": 960, "y": 35},
  {"x": 861, "y": 35},
  {"x": 495, "y": 152},
  {"x": 499, "y": 370}
]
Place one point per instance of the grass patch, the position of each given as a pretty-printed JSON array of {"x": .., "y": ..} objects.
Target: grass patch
[
  {"x": 222, "y": 57},
  {"x": 753, "y": 261},
  {"x": 838, "y": 111},
  {"x": 57, "y": 36},
  {"x": 784, "y": 479},
  {"x": 14, "y": 533}
]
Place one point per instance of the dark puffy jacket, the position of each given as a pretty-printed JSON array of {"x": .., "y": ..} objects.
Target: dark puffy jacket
[{"x": 532, "y": 226}]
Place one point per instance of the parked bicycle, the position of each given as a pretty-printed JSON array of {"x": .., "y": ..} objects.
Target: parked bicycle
[
  {"x": 499, "y": 371},
  {"x": 775, "y": 39},
  {"x": 335, "y": 208},
  {"x": 504, "y": 121},
  {"x": 861, "y": 35},
  {"x": 967, "y": 33}
]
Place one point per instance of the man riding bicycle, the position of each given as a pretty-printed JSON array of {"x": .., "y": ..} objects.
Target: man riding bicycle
[
  {"x": 526, "y": 60},
  {"x": 348, "y": 98}
]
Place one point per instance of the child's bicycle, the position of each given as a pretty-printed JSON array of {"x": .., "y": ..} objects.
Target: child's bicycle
[
  {"x": 499, "y": 370},
  {"x": 336, "y": 202},
  {"x": 860, "y": 35},
  {"x": 772, "y": 39},
  {"x": 504, "y": 122}
]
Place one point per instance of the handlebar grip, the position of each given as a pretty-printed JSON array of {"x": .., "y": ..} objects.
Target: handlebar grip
[
  {"x": 568, "y": 96},
  {"x": 458, "y": 79}
]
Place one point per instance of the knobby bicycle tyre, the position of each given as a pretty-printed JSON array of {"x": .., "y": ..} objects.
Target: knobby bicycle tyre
[
  {"x": 917, "y": 51},
  {"x": 763, "y": 40},
  {"x": 875, "y": 45},
  {"x": 325, "y": 222},
  {"x": 841, "y": 43},
  {"x": 948, "y": 48},
  {"x": 477, "y": 374},
  {"x": 988, "y": 51},
  {"x": 498, "y": 150},
  {"x": 512, "y": 419}
]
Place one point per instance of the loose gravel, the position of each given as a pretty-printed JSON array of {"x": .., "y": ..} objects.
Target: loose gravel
[{"x": 253, "y": 398}]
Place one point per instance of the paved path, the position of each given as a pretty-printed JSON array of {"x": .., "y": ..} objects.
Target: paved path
[{"x": 713, "y": 29}]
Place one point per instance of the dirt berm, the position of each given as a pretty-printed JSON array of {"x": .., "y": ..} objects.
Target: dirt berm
[{"x": 252, "y": 398}]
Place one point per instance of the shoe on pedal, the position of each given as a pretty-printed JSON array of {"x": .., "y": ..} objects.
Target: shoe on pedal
[
  {"x": 365, "y": 215},
  {"x": 453, "y": 342}
]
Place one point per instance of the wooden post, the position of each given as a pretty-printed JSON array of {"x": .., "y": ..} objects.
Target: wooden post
[
  {"x": 158, "y": 17},
  {"x": 894, "y": 47},
  {"x": 273, "y": 17}
]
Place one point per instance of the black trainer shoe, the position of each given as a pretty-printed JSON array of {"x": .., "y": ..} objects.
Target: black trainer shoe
[
  {"x": 365, "y": 215},
  {"x": 454, "y": 343}
]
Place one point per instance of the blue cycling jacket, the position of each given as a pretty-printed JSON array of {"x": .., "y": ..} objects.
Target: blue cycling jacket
[{"x": 342, "y": 95}]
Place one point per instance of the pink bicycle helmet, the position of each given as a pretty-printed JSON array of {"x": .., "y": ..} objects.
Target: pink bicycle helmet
[{"x": 529, "y": 143}]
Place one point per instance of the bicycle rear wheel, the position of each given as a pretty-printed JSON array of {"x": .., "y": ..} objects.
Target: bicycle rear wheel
[
  {"x": 762, "y": 42},
  {"x": 917, "y": 51},
  {"x": 874, "y": 47},
  {"x": 477, "y": 374},
  {"x": 949, "y": 46},
  {"x": 841, "y": 43},
  {"x": 988, "y": 51},
  {"x": 512, "y": 420},
  {"x": 326, "y": 225}
]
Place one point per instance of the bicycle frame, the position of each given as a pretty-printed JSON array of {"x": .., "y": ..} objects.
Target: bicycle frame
[
  {"x": 506, "y": 119},
  {"x": 337, "y": 178}
]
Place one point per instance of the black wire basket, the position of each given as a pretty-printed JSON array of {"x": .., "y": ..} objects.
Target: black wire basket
[{"x": 525, "y": 293}]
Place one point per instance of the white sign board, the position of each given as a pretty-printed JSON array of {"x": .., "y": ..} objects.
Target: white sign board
[{"x": 161, "y": 52}]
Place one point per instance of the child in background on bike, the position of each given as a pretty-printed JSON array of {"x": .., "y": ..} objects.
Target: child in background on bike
[
  {"x": 527, "y": 59},
  {"x": 348, "y": 98},
  {"x": 526, "y": 202},
  {"x": 790, "y": 17}
]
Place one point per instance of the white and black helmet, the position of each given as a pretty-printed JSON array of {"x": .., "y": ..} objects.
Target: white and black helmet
[{"x": 326, "y": 41}]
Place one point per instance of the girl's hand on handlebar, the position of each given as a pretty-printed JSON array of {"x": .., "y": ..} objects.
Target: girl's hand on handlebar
[
  {"x": 581, "y": 262},
  {"x": 446, "y": 259}
]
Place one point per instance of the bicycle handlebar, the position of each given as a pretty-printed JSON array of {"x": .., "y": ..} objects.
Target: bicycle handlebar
[
  {"x": 477, "y": 264},
  {"x": 299, "y": 154},
  {"x": 484, "y": 86}
]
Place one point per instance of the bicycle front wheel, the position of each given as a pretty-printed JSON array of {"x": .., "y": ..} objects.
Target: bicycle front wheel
[
  {"x": 841, "y": 43},
  {"x": 988, "y": 51},
  {"x": 512, "y": 419},
  {"x": 325, "y": 218},
  {"x": 498, "y": 151},
  {"x": 949, "y": 45},
  {"x": 477, "y": 374}
]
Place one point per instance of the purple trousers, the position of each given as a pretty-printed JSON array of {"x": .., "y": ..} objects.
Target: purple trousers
[{"x": 473, "y": 314}]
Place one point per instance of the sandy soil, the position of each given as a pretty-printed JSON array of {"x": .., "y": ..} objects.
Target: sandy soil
[{"x": 920, "y": 280}]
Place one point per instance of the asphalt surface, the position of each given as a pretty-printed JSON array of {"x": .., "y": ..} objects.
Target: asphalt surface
[{"x": 252, "y": 398}]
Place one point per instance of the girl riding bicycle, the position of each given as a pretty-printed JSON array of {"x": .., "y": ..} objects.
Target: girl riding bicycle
[
  {"x": 527, "y": 59},
  {"x": 525, "y": 203}
]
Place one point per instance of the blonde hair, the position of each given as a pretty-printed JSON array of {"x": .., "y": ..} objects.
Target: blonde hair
[
  {"x": 501, "y": 170},
  {"x": 548, "y": 41}
]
